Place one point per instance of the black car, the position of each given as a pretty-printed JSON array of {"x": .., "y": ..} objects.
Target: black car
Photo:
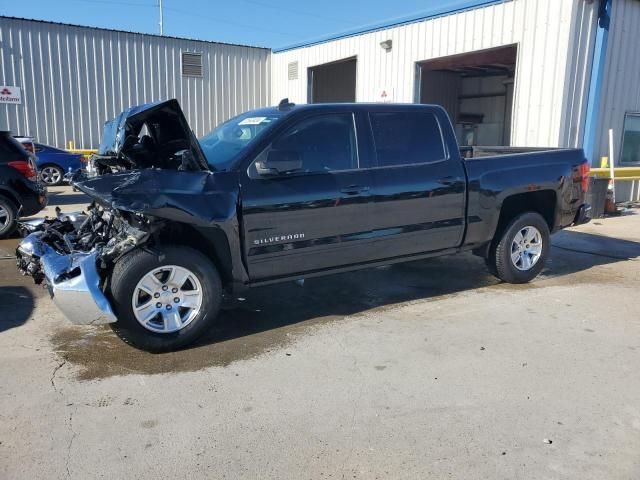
[{"x": 20, "y": 192}]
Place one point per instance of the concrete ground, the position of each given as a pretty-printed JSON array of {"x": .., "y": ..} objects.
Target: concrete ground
[{"x": 431, "y": 369}]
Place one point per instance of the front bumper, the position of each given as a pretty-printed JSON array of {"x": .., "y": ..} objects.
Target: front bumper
[
  {"x": 583, "y": 215},
  {"x": 72, "y": 280}
]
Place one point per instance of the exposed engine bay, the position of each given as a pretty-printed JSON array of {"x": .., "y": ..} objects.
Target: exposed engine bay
[
  {"x": 69, "y": 251},
  {"x": 99, "y": 230}
]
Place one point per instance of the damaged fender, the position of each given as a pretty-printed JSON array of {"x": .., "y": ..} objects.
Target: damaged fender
[
  {"x": 208, "y": 201},
  {"x": 199, "y": 198}
]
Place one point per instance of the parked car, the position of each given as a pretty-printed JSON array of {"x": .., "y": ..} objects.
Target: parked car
[
  {"x": 285, "y": 193},
  {"x": 20, "y": 192},
  {"x": 54, "y": 163}
]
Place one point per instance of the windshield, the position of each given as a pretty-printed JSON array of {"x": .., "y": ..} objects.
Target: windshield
[{"x": 228, "y": 139}]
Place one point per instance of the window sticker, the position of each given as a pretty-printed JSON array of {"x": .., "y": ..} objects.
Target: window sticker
[{"x": 252, "y": 121}]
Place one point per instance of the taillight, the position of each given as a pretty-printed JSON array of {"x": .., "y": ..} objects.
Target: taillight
[
  {"x": 28, "y": 147},
  {"x": 584, "y": 175},
  {"x": 25, "y": 169},
  {"x": 83, "y": 159}
]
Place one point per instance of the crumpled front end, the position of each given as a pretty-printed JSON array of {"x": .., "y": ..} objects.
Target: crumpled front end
[
  {"x": 71, "y": 255},
  {"x": 72, "y": 280}
]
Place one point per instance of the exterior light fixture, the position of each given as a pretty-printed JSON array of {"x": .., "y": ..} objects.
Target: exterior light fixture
[{"x": 386, "y": 45}]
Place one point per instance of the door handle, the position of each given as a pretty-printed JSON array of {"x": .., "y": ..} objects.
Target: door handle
[{"x": 354, "y": 189}]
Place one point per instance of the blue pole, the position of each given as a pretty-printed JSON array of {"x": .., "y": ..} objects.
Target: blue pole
[{"x": 597, "y": 78}]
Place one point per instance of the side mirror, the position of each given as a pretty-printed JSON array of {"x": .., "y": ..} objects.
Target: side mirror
[{"x": 279, "y": 162}]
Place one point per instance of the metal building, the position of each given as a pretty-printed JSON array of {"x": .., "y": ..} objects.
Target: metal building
[
  {"x": 510, "y": 72},
  {"x": 69, "y": 80}
]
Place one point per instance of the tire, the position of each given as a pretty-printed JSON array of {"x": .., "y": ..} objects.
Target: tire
[
  {"x": 8, "y": 217},
  {"x": 509, "y": 246},
  {"x": 51, "y": 175},
  {"x": 129, "y": 274}
]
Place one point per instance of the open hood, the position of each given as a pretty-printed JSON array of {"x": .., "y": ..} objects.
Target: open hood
[{"x": 165, "y": 124}]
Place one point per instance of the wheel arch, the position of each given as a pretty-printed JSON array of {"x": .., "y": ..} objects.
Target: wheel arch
[
  {"x": 51, "y": 164},
  {"x": 212, "y": 242},
  {"x": 11, "y": 196},
  {"x": 543, "y": 202}
]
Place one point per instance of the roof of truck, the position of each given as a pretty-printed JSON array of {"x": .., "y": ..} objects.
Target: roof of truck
[{"x": 290, "y": 108}]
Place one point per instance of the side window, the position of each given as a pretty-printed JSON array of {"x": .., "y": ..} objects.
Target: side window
[
  {"x": 631, "y": 140},
  {"x": 403, "y": 138},
  {"x": 324, "y": 143}
]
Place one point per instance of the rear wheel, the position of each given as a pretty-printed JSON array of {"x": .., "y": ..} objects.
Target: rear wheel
[
  {"x": 522, "y": 249},
  {"x": 51, "y": 175},
  {"x": 164, "y": 300},
  {"x": 8, "y": 216}
]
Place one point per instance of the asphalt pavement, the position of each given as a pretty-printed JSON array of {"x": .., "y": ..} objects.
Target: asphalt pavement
[{"x": 431, "y": 369}]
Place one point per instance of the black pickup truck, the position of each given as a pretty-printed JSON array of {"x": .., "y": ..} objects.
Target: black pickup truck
[{"x": 285, "y": 193}]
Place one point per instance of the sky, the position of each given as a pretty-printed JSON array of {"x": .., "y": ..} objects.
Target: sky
[{"x": 266, "y": 23}]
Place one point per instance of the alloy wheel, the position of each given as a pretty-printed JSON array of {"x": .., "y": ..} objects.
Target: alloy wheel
[
  {"x": 4, "y": 217},
  {"x": 167, "y": 299},
  {"x": 526, "y": 248},
  {"x": 50, "y": 175}
]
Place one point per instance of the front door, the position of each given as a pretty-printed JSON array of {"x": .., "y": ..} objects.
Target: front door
[{"x": 312, "y": 218}]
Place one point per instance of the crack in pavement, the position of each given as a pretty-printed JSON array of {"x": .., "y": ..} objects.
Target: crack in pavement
[
  {"x": 74, "y": 434},
  {"x": 53, "y": 374}
]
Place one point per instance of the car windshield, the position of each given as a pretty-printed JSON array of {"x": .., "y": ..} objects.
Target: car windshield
[{"x": 227, "y": 140}]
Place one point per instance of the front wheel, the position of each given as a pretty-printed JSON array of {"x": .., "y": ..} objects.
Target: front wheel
[
  {"x": 164, "y": 300},
  {"x": 522, "y": 249}
]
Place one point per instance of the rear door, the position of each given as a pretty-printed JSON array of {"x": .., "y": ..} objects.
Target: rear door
[
  {"x": 419, "y": 187},
  {"x": 316, "y": 218}
]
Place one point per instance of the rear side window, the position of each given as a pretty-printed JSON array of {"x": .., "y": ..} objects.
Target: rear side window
[
  {"x": 11, "y": 149},
  {"x": 404, "y": 138},
  {"x": 324, "y": 143}
]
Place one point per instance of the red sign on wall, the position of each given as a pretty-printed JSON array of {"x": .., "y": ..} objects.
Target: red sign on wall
[{"x": 10, "y": 94}]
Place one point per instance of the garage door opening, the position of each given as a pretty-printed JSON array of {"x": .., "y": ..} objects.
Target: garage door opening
[
  {"x": 333, "y": 82},
  {"x": 476, "y": 89}
]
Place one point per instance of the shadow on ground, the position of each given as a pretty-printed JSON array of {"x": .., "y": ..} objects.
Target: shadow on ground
[
  {"x": 267, "y": 318},
  {"x": 17, "y": 305}
]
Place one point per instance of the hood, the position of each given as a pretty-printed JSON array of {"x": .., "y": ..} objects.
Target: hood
[
  {"x": 164, "y": 122},
  {"x": 192, "y": 197}
]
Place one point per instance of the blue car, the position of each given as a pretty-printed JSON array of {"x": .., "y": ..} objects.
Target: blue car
[{"x": 54, "y": 163}]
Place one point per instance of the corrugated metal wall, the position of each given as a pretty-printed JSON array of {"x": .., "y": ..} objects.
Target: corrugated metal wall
[
  {"x": 73, "y": 79},
  {"x": 541, "y": 28},
  {"x": 578, "y": 72},
  {"x": 621, "y": 87}
]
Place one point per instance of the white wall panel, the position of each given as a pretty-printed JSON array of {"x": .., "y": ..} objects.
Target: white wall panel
[
  {"x": 578, "y": 73},
  {"x": 543, "y": 29},
  {"x": 73, "y": 79}
]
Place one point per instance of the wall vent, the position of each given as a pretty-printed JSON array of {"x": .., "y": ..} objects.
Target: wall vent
[
  {"x": 191, "y": 64},
  {"x": 293, "y": 70}
]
